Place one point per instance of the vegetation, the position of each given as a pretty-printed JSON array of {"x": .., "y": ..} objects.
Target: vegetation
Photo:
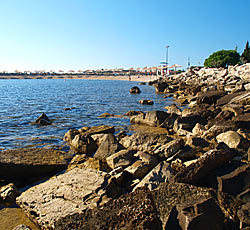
[
  {"x": 222, "y": 58},
  {"x": 245, "y": 56}
]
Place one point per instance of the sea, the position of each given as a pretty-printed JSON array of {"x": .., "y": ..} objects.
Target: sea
[{"x": 69, "y": 104}]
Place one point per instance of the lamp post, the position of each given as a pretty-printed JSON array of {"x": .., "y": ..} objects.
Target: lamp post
[{"x": 167, "y": 59}]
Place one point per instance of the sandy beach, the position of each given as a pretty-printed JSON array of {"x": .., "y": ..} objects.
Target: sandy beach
[{"x": 141, "y": 78}]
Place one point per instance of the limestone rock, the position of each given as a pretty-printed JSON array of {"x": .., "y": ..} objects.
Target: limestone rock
[
  {"x": 203, "y": 213},
  {"x": 231, "y": 138},
  {"x": 196, "y": 141},
  {"x": 208, "y": 162},
  {"x": 43, "y": 120},
  {"x": 83, "y": 144},
  {"x": 8, "y": 194},
  {"x": 135, "y": 89},
  {"x": 32, "y": 162},
  {"x": 159, "y": 174},
  {"x": 22, "y": 227},
  {"x": 244, "y": 216},
  {"x": 134, "y": 210},
  {"x": 98, "y": 130},
  {"x": 145, "y": 142},
  {"x": 170, "y": 148},
  {"x": 173, "y": 109},
  {"x": 235, "y": 182},
  {"x": 142, "y": 166},
  {"x": 152, "y": 118},
  {"x": 146, "y": 102},
  {"x": 98, "y": 138},
  {"x": 109, "y": 146},
  {"x": 123, "y": 158},
  {"x": 66, "y": 195}
]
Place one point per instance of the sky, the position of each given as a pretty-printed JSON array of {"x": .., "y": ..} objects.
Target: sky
[{"x": 104, "y": 34}]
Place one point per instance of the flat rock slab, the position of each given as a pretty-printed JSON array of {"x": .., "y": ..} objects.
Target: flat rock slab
[
  {"x": 30, "y": 162},
  {"x": 132, "y": 211},
  {"x": 64, "y": 195}
]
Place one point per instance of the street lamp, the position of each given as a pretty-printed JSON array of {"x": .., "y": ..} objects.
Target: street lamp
[{"x": 167, "y": 59}]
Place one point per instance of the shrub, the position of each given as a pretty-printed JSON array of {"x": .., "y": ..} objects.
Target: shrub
[{"x": 222, "y": 58}]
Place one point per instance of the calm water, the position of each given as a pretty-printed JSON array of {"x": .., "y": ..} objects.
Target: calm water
[{"x": 22, "y": 101}]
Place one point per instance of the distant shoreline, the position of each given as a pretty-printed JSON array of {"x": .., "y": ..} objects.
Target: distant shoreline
[{"x": 141, "y": 78}]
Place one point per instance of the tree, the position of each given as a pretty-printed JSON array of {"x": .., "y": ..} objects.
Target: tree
[
  {"x": 245, "y": 56},
  {"x": 222, "y": 58}
]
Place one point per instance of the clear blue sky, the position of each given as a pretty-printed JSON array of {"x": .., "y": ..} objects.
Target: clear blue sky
[{"x": 93, "y": 34}]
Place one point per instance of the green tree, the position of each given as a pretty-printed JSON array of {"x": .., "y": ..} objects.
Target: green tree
[
  {"x": 245, "y": 56},
  {"x": 222, "y": 58}
]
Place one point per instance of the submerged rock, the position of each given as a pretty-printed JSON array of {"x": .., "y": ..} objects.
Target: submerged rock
[
  {"x": 42, "y": 120},
  {"x": 135, "y": 89}
]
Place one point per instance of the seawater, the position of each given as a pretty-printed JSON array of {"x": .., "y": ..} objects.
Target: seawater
[{"x": 23, "y": 101}]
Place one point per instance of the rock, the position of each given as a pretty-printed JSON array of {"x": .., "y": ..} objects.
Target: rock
[
  {"x": 169, "y": 149},
  {"x": 194, "y": 173},
  {"x": 146, "y": 102},
  {"x": 132, "y": 113},
  {"x": 194, "y": 141},
  {"x": 210, "y": 97},
  {"x": 8, "y": 194},
  {"x": 188, "y": 123},
  {"x": 231, "y": 138},
  {"x": 104, "y": 115},
  {"x": 98, "y": 138},
  {"x": 123, "y": 158},
  {"x": 235, "y": 182},
  {"x": 242, "y": 120},
  {"x": 22, "y": 227},
  {"x": 66, "y": 195},
  {"x": 244, "y": 215},
  {"x": 186, "y": 153},
  {"x": 83, "y": 144},
  {"x": 102, "y": 129},
  {"x": 168, "y": 195},
  {"x": 134, "y": 90},
  {"x": 42, "y": 120},
  {"x": 83, "y": 161},
  {"x": 173, "y": 109},
  {"x": 198, "y": 130},
  {"x": 203, "y": 213},
  {"x": 160, "y": 86},
  {"x": 70, "y": 135},
  {"x": 134, "y": 210},
  {"x": 159, "y": 174},
  {"x": 109, "y": 146},
  {"x": 220, "y": 127},
  {"x": 142, "y": 83},
  {"x": 24, "y": 164},
  {"x": 142, "y": 166},
  {"x": 152, "y": 118},
  {"x": 145, "y": 142}
]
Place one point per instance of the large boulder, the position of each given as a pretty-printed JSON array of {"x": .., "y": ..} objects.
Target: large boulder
[
  {"x": 152, "y": 118},
  {"x": 145, "y": 142},
  {"x": 66, "y": 195},
  {"x": 142, "y": 165},
  {"x": 159, "y": 174},
  {"x": 203, "y": 213},
  {"x": 134, "y": 210},
  {"x": 24, "y": 164},
  {"x": 83, "y": 144},
  {"x": 109, "y": 146},
  {"x": 194, "y": 173},
  {"x": 123, "y": 158},
  {"x": 235, "y": 182},
  {"x": 160, "y": 86},
  {"x": 210, "y": 97}
]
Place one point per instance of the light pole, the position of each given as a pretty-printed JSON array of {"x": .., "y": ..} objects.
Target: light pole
[{"x": 167, "y": 59}]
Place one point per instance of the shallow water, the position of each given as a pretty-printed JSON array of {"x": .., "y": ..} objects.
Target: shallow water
[{"x": 22, "y": 101}]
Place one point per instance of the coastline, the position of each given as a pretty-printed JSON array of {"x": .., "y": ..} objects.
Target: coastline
[{"x": 141, "y": 78}]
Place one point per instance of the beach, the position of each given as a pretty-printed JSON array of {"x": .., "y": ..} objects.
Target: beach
[{"x": 141, "y": 78}]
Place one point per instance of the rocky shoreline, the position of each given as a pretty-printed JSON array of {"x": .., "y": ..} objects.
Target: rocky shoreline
[{"x": 192, "y": 172}]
